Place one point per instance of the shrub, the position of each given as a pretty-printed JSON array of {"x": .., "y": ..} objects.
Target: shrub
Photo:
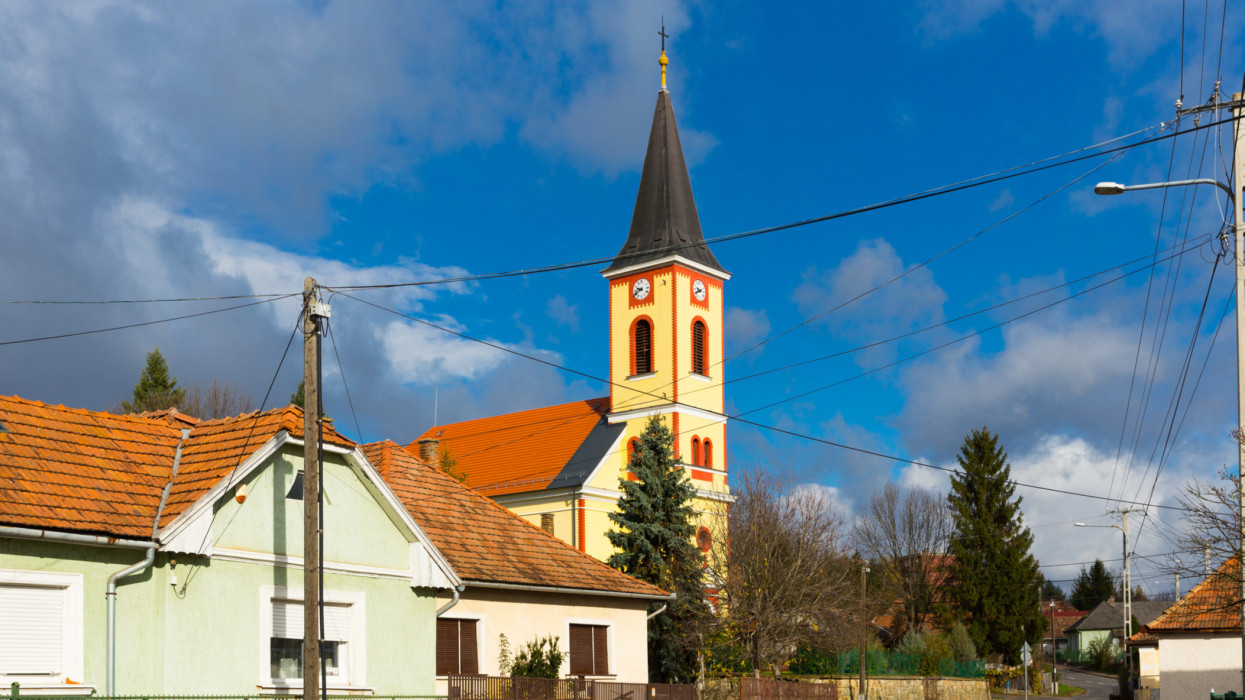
[
  {"x": 810, "y": 661},
  {"x": 962, "y": 647},
  {"x": 1101, "y": 653},
  {"x": 539, "y": 658}
]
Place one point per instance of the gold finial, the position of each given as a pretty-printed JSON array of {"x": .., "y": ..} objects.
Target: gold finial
[{"x": 663, "y": 60}]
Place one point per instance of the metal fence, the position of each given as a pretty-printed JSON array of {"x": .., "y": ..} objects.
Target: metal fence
[
  {"x": 880, "y": 663},
  {"x": 519, "y": 688},
  {"x": 774, "y": 689}
]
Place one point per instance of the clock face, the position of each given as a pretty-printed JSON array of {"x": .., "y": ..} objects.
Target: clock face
[
  {"x": 698, "y": 289},
  {"x": 641, "y": 289}
]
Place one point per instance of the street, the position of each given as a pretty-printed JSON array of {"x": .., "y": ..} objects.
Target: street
[{"x": 1097, "y": 687}]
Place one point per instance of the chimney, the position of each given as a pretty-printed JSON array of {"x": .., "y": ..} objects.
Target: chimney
[
  {"x": 546, "y": 522},
  {"x": 430, "y": 450}
]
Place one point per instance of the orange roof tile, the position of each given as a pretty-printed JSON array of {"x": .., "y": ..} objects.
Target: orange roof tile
[
  {"x": 1214, "y": 605},
  {"x": 89, "y": 471},
  {"x": 528, "y": 450},
  {"x": 485, "y": 542}
]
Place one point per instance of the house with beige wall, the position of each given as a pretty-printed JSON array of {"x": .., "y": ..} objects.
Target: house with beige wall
[
  {"x": 1199, "y": 638},
  {"x": 518, "y": 581}
]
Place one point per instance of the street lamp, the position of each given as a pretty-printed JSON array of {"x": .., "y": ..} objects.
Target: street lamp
[
  {"x": 1054, "y": 657},
  {"x": 1127, "y": 585},
  {"x": 1238, "y": 254}
]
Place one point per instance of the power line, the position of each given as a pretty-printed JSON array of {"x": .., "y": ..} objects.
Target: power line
[
  {"x": 140, "y": 301},
  {"x": 144, "y": 323},
  {"x": 926, "y": 194}
]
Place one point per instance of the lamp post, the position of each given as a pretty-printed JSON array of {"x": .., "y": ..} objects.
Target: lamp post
[
  {"x": 1054, "y": 657},
  {"x": 1126, "y": 585},
  {"x": 1238, "y": 255}
]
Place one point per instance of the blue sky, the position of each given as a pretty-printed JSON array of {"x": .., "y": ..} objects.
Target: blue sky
[{"x": 148, "y": 152}]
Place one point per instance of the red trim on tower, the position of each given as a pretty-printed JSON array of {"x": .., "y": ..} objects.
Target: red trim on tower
[
  {"x": 696, "y": 302},
  {"x": 702, "y": 476},
  {"x": 613, "y": 377},
  {"x": 674, "y": 334},
  {"x": 583, "y": 529},
  {"x": 674, "y": 419}
]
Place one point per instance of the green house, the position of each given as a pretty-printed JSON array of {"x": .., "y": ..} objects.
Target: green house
[{"x": 159, "y": 554}]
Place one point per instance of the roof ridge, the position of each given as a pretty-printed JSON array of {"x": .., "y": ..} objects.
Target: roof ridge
[{"x": 511, "y": 413}]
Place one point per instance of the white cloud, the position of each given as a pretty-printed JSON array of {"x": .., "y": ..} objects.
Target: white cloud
[
  {"x": 913, "y": 301},
  {"x": 744, "y": 327},
  {"x": 563, "y": 312}
]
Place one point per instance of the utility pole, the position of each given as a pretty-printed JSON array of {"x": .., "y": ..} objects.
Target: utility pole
[
  {"x": 864, "y": 639},
  {"x": 1238, "y": 252},
  {"x": 314, "y": 680}
]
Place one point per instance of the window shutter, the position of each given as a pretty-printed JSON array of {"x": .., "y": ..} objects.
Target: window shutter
[
  {"x": 695, "y": 450},
  {"x": 698, "y": 347},
  {"x": 447, "y": 647},
  {"x": 287, "y": 621},
  {"x": 470, "y": 665},
  {"x": 708, "y": 449},
  {"x": 581, "y": 650},
  {"x": 600, "y": 651},
  {"x": 336, "y": 623},
  {"x": 32, "y": 635},
  {"x": 643, "y": 347}
]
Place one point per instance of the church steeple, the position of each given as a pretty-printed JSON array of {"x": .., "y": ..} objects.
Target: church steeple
[{"x": 665, "y": 222}]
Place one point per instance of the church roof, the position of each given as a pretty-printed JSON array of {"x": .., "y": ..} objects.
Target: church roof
[
  {"x": 665, "y": 222},
  {"x": 544, "y": 448}
]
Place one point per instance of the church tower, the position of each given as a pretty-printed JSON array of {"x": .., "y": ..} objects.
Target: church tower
[{"x": 666, "y": 318}]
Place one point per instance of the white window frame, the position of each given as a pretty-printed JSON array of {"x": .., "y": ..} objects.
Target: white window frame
[
  {"x": 481, "y": 635},
  {"x": 355, "y": 660},
  {"x": 609, "y": 642},
  {"x": 71, "y": 634}
]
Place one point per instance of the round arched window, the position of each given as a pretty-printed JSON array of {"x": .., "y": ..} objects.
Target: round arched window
[{"x": 704, "y": 540}]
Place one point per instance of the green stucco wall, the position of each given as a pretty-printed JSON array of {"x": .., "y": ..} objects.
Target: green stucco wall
[{"x": 204, "y": 636}]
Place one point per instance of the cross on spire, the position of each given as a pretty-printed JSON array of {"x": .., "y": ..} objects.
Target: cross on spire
[{"x": 663, "y": 60}]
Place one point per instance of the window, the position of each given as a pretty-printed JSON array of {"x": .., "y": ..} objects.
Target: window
[
  {"x": 456, "y": 648},
  {"x": 342, "y": 648},
  {"x": 633, "y": 449},
  {"x": 707, "y": 449},
  {"x": 41, "y": 637},
  {"x": 699, "y": 350},
  {"x": 642, "y": 353},
  {"x": 704, "y": 540},
  {"x": 590, "y": 650},
  {"x": 696, "y": 450}
]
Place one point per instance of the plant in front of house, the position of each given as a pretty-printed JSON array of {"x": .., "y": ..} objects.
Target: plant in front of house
[
  {"x": 653, "y": 531},
  {"x": 539, "y": 658}
]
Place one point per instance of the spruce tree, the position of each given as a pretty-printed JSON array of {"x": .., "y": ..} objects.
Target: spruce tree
[
  {"x": 1092, "y": 586},
  {"x": 654, "y": 531},
  {"x": 156, "y": 389},
  {"x": 996, "y": 579}
]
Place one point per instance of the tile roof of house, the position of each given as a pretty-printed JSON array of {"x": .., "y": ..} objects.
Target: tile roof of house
[
  {"x": 75, "y": 470},
  {"x": 482, "y": 540},
  {"x": 1109, "y": 614},
  {"x": 531, "y": 450},
  {"x": 1211, "y": 606}
]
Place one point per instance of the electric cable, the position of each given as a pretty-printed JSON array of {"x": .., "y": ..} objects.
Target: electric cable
[
  {"x": 144, "y": 323},
  {"x": 342, "y": 371},
  {"x": 139, "y": 301}
]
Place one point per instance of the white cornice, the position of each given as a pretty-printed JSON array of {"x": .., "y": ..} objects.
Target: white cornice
[
  {"x": 624, "y": 416},
  {"x": 663, "y": 262}
]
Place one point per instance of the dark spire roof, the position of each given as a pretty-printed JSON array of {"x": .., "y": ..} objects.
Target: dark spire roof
[{"x": 665, "y": 221}]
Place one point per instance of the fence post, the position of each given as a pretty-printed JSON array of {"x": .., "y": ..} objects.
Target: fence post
[{"x": 15, "y": 690}]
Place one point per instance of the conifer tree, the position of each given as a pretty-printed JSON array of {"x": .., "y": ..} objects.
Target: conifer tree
[
  {"x": 156, "y": 389},
  {"x": 654, "y": 530},
  {"x": 997, "y": 579},
  {"x": 1092, "y": 586}
]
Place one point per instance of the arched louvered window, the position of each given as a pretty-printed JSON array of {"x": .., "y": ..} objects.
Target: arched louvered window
[
  {"x": 695, "y": 450},
  {"x": 642, "y": 344},
  {"x": 633, "y": 447},
  {"x": 707, "y": 450},
  {"x": 699, "y": 348}
]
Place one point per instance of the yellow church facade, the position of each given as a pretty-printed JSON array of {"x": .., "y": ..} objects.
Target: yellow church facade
[{"x": 560, "y": 467}]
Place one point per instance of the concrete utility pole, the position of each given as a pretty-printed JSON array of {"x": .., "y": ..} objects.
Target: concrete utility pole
[{"x": 314, "y": 676}]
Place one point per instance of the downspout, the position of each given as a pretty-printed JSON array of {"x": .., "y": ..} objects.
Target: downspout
[
  {"x": 111, "y": 595},
  {"x": 453, "y": 601},
  {"x": 657, "y": 612}
]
